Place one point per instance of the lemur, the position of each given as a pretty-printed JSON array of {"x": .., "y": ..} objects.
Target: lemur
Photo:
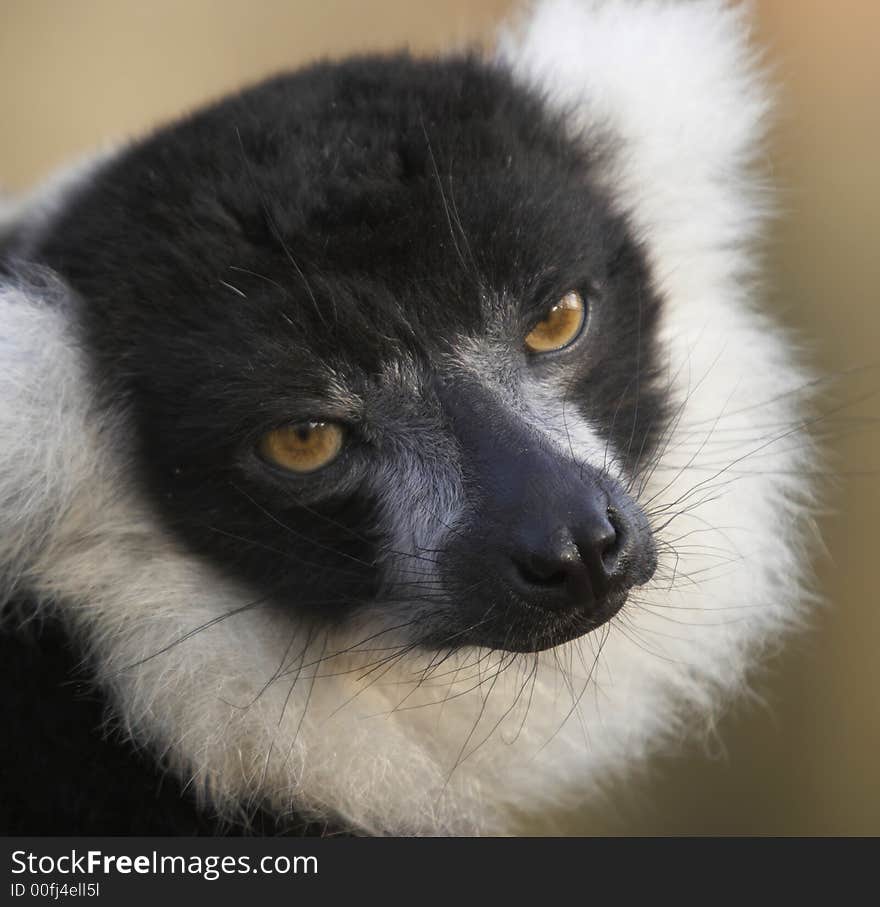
[{"x": 396, "y": 446}]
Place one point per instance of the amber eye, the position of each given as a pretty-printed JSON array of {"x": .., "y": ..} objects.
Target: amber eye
[
  {"x": 560, "y": 326},
  {"x": 304, "y": 447}
]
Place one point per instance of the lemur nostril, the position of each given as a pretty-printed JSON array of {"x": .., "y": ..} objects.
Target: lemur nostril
[
  {"x": 536, "y": 574},
  {"x": 613, "y": 542}
]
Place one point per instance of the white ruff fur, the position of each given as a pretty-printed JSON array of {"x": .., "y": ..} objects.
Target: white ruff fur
[{"x": 246, "y": 712}]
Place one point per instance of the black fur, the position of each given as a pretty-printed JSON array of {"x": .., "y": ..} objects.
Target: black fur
[{"x": 63, "y": 774}]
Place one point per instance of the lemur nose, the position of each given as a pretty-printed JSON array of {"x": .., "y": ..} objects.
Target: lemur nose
[{"x": 572, "y": 568}]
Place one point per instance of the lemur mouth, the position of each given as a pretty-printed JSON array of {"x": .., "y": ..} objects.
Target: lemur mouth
[
  {"x": 519, "y": 626},
  {"x": 555, "y": 630}
]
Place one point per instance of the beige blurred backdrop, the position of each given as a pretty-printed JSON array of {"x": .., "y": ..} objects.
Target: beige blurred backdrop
[{"x": 805, "y": 757}]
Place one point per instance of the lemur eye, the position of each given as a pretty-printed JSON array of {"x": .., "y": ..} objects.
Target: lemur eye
[
  {"x": 304, "y": 447},
  {"x": 560, "y": 326}
]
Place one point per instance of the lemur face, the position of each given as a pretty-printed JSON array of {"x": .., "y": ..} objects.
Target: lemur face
[{"x": 387, "y": 347}]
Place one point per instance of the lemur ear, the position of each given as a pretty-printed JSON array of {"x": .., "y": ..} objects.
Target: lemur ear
[{"x": 674, "y": 88}]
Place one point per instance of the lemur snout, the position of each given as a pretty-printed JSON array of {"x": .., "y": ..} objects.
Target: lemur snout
[{"x": 552, "y": 545}]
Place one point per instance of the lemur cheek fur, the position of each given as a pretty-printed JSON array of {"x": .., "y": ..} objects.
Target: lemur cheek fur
[{"x": 357, "y": 425}]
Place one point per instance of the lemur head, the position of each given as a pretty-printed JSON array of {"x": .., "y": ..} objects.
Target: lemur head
[
  {"x": 387, "y": 347},
  {"x": 415, "y": 421}
]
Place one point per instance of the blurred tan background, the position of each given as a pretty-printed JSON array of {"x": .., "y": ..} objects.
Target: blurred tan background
[{"x": 806, "y": 759}]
